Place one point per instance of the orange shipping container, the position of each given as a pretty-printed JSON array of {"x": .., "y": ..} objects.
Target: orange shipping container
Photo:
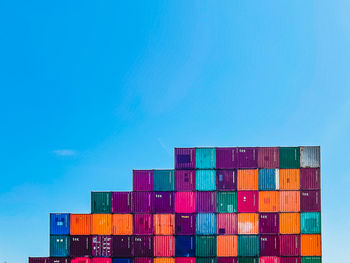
[
  {"x": 101, "y": 224},
  {"x": 164, "y": 260},
  {"x": 289, "y": 223},
  {"x": 164, "y": 224},
  {"x": 122, "y": 224},
  {"x": 164, "y": 246},
  {"x": 289, "y": 179},
  {"x": 227, "y": 246},
  {"x": 80, "y": 224},
  {"x": 248, "y": 223},
  {"x": 268, "y": 201},
  {"x": 289, "y": 201},
  {"x": 248, "y": 179},
  {"x": 311, "y": 245}
]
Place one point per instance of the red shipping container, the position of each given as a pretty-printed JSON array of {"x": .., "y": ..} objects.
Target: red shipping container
[
  {"x": 248, "y": 201},
  {"x": 290, "y": 245},
  {"x": 164, "y": 246},
  {"x": 290, "y": 260},
  {"x": 226, "y": 260},
  {"x": 143, "y": 224},
  {"x": 81, "y": 260},
  {"x": 185, "y": 180},
  {"x": 185, "y": 202},
  {"x": 227, "y": 224},
  {"x": 142, "y": 260},
  {"x": 268, "y": 157},
  {"x": 185, "y": 260},
  {"x": 269, "y": 260},
  {"x": 101, "y": 260}
]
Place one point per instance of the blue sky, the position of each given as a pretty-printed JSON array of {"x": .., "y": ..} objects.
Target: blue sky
[{"x": 90, "y": 90}]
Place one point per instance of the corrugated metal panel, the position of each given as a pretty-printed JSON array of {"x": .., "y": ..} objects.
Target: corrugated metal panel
[
  {"x": 59, "y": 260},
  {"x": 101, "y": 260},
  {"x": 163, "y": 180},
  {"x": 142, "y": 180},
  {"x": 247, "y": 157},
  {"x": 143, "y": 202},
  {"x": 185, "y": 158},
  {"x": 185, "y": 224},
  {"x": 205, "y": 158},
  {"x": 226, "y": 158},
  {"x": 268, "y": 157},
  {"x": 310, "y": 245},
  {"x": 206, "y": 224},
  {"x": 289, "y": 157},
  {"x": 226, "y": 202},
  {"x": 59, "y": 224},
  {"x": 226, "y": 259},
  {"x": 143, "y": 246},
  {"x": 143, "y": 260},
  {"x": 59, "y": 246},
  {"x": 206, "y": 202},
  {"x": 185, "y": 180},
  {"x": 290, "y": 260},
  {"x": 185, "y": 246},
  {"x": 310, "y": 201},
  {"x": 185, "y": 260},
  {"x": 310, "y": 259},
  {"x": 101, "y": 224},
  {"x": 227, "y": 246},
  {"x": 310, "y": 156},
  {"x": 205, "y": 180},
  {"x": 122, "y": 246},
  {"x": 206, "y": 260},
  {"x": 121, "y": 202},
  {"x": 227, "y": 224},
  {"x": 226, "y": 180},
  {"x": 80, "y": 246},
  {"x": 310, "y": 179},
  {"x": 205, "y": 246},
  {"x": 39, "y": 260},
  {"x": 122, "y": 260},
  {"x": 164, "y": 246},
  {"x": 248, "y": 201},
  {"x": 289, "y": 179},
  {"x": 289, "y": 223},
  {"x": 267, "y": 179},
  {"x": 101, "y": 202},
  {"x": 102, "y": 246},
  {"x": 248, "y": 223},
  {"x": 164, "y": 202},
  {"x": 80, "y": 224},
  {"x": 268, "y": 245},
  {"x": 164, "y": 224},
  {"x": 269, "y": 260},
  {"x": 310, "y": 223},
  {"x": 122, "y": 224},
  {"x": 248, "y": 179},
  {"x": 290, "y": 245},
  {"x": 268, "y": 201},
  {"x": 289, "y": 201},
  {"x": 248, "y": 246},
  {"x": 164, "y": 260},
  {"x": 185, "y": 202},
  {"x": 143, "y": 224},
  {"x": 80, "y": 260},
  {"x": 269, "y": 223},
  {"x": 248, "y": 260}
]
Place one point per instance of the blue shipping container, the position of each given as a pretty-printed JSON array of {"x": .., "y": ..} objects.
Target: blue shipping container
[
  {"x": 206, "y": 224},
  {"x": 59, "y": 246},
  {"x": 205, "y": 158},
  {"x": 268, "y": 179},
  {"x": 59, "y": 224},
  {"x": 185, "y": 246},
  {"x": 122, "y": 260},
  {"x": 310, "y": 223},
  {"x": 205, "y": 180}
]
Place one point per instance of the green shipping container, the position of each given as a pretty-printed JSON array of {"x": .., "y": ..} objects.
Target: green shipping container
[
  {"x": 206, "y": 260},
  {"x": 289, "y": 157},
  {"x": 226, "y": 202},
  {"x": 205, "y": 158},
  {"x": 248, "y": 246},
  {"x": 248, "y": 260},
  {"x": 310, "y": 223},
  {"x": 206, "y": 246},
  {"x": 101, "y": 202},
  {"x": 163, "y": 180},
  {"x": 310, "y": 259}
]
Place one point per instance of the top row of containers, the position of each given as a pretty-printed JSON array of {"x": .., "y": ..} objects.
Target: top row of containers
[{"x": 247, "y": 157}]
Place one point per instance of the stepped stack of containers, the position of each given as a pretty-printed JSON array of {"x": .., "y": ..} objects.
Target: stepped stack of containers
[{"x": 225, "y": 205}]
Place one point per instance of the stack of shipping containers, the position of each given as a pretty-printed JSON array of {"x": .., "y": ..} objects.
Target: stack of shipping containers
[{"x": 225, "y": 205}]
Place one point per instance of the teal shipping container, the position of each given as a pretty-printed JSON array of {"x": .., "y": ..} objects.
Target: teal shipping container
[
  {"x": 206, "y": 260},
  {"x": 248, "y": 246},
  {"x": 289, "y": 157},
  {"x": 59, "y": 246},
  {"x": 101, "y": 202},
  {"x": 205, "y": 158},
  {"x": 205, "y": 180},
  {"x": 248, "y": 260},
  {"x": 206, "y": 224},
  {"x": 310, "y": 259},
  {"x": 226, "y": 202},
  {"x": 310, "y": 223},
  {"x": 163, "y": 180},
  {"x": 206, "y": 246},
  {"x": 268, "y": 179}
]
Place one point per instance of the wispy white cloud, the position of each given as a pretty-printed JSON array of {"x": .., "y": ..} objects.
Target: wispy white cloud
[
  {"x": 165, "y": 147},
  {"x": 64, "y": 152}
]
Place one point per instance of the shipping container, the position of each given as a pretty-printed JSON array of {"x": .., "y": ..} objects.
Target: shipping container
[
  {"x": 205, "y": 180},
  {"x": 248, "y": 223},
  {"x": 122, "y": 224},
  {"x": 248, "y": 246},
  {"x": 206, "y": 260},
  {"x": 80, "y": 246},
  {"x": 268, "y": 245},
  {"x": 206, "y": 202},
  {"x": 163, "y": 180},
  {"x": 227, "y": 224},
  {"x": 226, "y": 202},
  {"x": 269, "y": 260},
  {"x": 248, "y": 201},
  {"x": 39, "y": 260},
  {"x": 164, "y": 202},
  {"x": 205, "y": 158},
  {"x": 310, "y": 245},
  {"x": 185, "y": 202},
  {"x": 268, "y": 223},
  {"x": 164, "y": 224},
  {"x": 59, "y": 246},
  {"x": 247, "y": 157},
  {"x": 102, "y": 246},
  {"x": 290, "y": 260},
  {"x": 290, "y": 245},
  {"x": 164, "y": 260},
  {"x": 143, "y": 202},
  {"x": 206, "y": 224},
  {"x": 310, "y": 201},
  {"x": 101, "y": 202},
  {"x": 185, "y": 158},
  {"x": 289, "y": 179},
  {"x": 81, "y": 260},
  {"x": 248, "y": 259},
  {"x": 226, "y": 158},
  {"x": 310, "y": 179},
  {"x": 60, "y": 260},
  {"x": 205, "y": 246},
  {"x": 185, "y": 246},
  {"x": 185, "y": 259},
  {"x": 185, "y": 224},
  {"x": 248, "y": 179},
  {"x": 289, "y": 223},
  {"x": 310, "y": 156},
  {"x": 121, "y": 202},
  {"x": 227, "y": 246},
  {"x": 80, "y": 224},
  {"x": 164, "y": 246},
  {"x": 142, "y": 180},
  {"x": 142, "y": 260},
  {"x": 185, "y": 180},
  {"x": 268, "y": 201},
  {"x": 289, "y": 201},
  {"x": 226, "y": 180},
  {"x": 122, "y": 246},
  {"x": 101, "y": 224},
  {"x": 289, "y": 157},
  {"x": 101, "y": 260},
  {"x": 143, "y": 246},
  {"x": 122, "y": 260},
  {"x": 268, "y": 179},
  {"x": 310, "y": 259},
  {"x": 59, "y": 224},
  {"x": 143, "y": 224},
  {"x": 310, "y": 223},
  {"x": 268, "y": 157},
  {"x": 226, "y": 259}
]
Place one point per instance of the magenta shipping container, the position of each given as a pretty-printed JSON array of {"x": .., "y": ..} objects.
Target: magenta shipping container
[
  {"x": 143, "y": 260},
  {"x": 226, "y": 180},
  {"x": 310, "y": 179},
  {"x": 185, "y": 202},
  {"x": 121, "y": 202},
  {"x": 227, "y": 224},
  {"x": 268, "y": 223},
  {"x": 290, "y": 245},
  {"x": 164, "y": 202},
  {"x": 268, "y": 245},
  {"x": 225, "y": 158},
  {"x": 143, "y": 202},
  {"x": 185, "y": 260},
  {"x": 185, "y": 158},
  {"x": 142, "y": 180},
  {"x": 39, "y": 260},
  {"x": 247, "y": 201},
  {"x": 101, "y": 260},
  {"x": 269, "y": 260},
  {"x": 226, "y": 260},
  {"x": 101, "y": 246},
  {"x": 205, "y": 202},
  {"x": 185, "y": 224},
  {"x": 80, "y": 246},
  {"x": 143, "y": 224},
  {"x": 268, "y": 157},
  {"x": 143, "y": 246},
  {"x": 247, "y": 157},
  {"x": 122, "y": 246},
  {"x": 290, "y": 260},
  {"x": 310, "y": 201},
  {"x": 185, "y": 180}
]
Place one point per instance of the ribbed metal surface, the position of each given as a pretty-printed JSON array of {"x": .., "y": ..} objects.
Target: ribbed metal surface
[
  {"x": 268, "y": 223},
  {"x": 206, "y": 202},
  {"x": 310, "y": 201},
  {"x": 310, "y": 223},
  {"x": 310, "y": 156},
  {"x": 289, "y": 201},
  {"x": 226, "y": 158},
  {"x": 290, "y": 260},
  {"x": 227, "y": 224},
  {"x": 248, "y": 223},
  {"x": 248, "y": 245},
  {"x": 268, "y": 245},
  {"x": 143, "y": 246},
  {"x": 247, "y": 157},
  {"x": 80, "y": 224},
  {"x": 205, "y": 180},
  {"x": 226, "y": 202},
  {"x": 185, "y": 158},
  {"x": 185, "y": 246},
  {"x": 268, "y": 201},
  {"x": 206, "y": 224},
  {"x": 268, "y": 157},
  {"x": 143, "y": 224},
  {"x": 185, "y": 224},
  {"x": 205, "y": 158},
  {"x": 206, "y": 246},
  {"x": 289, "y": 179},
  {"x": 289, "y": 223},
  {"x": 185, "y": 180},
  {"x": 310, "y": 259},
  {"x": 164, "y": 246},
  {"x": 121, "y": 202},
  {"x": 268, "y": 179},
  {"x": 269, "y": 259},
  {"x": 289, "y": 157},
  {"x": 80, "y": 246},
  {"x": 101, "y": 202},
  {"x": 164, "y": 202},
  {"x": 163, "y": 180},
  {"x": 227, "y": 246},
  {"x": 289, "y": 245},
  {"x": 310, "y": 179},
  {"x": 122, "y": 246},
  {"x": 59, "y": 224},
  {"x": 142, "y": 180},
  {"x": 59, "y": 246},
  {"x": 102, "y": 246},
  {"x": 143, "y": 202},
  {"x": 226, "y": 180},
  {"x": 185, "y": 202}
]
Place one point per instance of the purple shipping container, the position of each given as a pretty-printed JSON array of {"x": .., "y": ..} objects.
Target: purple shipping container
[
  {"x": 80, "y": 246},
  {"x": 143, "y": 260},
  {"x": 290, "y": 260},
  {"x": 142, "y": 180},
  {"x": 226, "y": 158},
  {"x": 164, "y": 202},
  {"x": 143, "y": 224},
  {"x": 247, "y": 157},
  {"x": 290, "y": 245},
  {"x": 143, "y": 246},
  {"x": 268, "y": 245},
  {"x": 39, "y": 260},
  {"x": 185, "y": 158},
  {"x": 185, "y": 224},
  {"x": 59, "y": 260},
  {"x": 122, "y": 246},
  {"x": 185, "y": 180},
  {"x": 226, "y": 260},
  {"x": 268, "y": 157},
  {"x": 102, "y": 246},
  {"x": 310, "y": 179},
  {"x": 143, "y": 202},
  {"x": 268, "y": 223},
  {"x": 205, "y": 202},
  {"x": 226, "y": 180},
  {"x": 121, "y": 202},
  {"x": 310, "y": 201}
]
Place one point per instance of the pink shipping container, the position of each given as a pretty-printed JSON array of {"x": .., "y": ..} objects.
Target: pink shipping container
[
  {"x": 268, "y": 157},
  {"x": 269, "y": 260},
  {"x": 81, "y": 260},
  {"x": 185, "y": 158},
  {"x": 185, "y": 180},
  {"x": 164, "y": 246},
  {"x": 142, "y": 180},
  {"x": 185, "y": 202},
  {"x": 310, "y": 179},
  {"x": 290, "y": 245},
  {"x": 226, "y": 158},
  {"x": 143, "y": 260},
  {"x": 143, "y": 224},
  {"x": 226, "y": 260},
  {"x": 185, "y": 260},
  {"x": 101, "y": 260},
  {"x": 227, "y": 224},
  {"x": 290, "y": 260},
  {"x": 248, "y": 201}
]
